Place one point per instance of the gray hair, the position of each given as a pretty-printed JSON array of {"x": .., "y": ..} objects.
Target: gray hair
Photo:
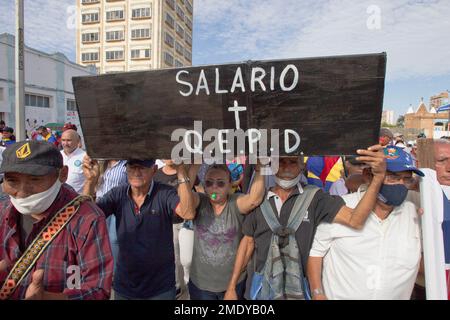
[{"x": 441, "y": 141}]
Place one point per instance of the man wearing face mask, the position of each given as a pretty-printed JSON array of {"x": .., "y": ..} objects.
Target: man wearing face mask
[
  {"x": 380, "y": 261},
  {"x": 285, "y": 223},
  {"x": 53, "y": 242}
]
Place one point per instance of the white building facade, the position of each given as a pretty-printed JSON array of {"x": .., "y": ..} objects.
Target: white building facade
[
  {"x": 131, "y": 35},
  {"x": 388, "y": 117},
  {"x": 49, "y": 96}
]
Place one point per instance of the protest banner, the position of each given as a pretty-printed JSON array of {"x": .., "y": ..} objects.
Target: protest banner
[{"x": 318, "y": 106}]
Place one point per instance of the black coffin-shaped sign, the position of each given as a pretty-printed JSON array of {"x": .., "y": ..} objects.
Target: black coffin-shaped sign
[{"x": 318, "y": 106}]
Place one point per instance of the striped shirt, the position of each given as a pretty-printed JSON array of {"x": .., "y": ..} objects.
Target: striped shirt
[
  {"x": 82, "y": 244},
  {"x": 113, "y": 177}
]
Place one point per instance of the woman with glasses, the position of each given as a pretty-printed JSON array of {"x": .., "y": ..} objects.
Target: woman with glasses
[{"x": 217, "y": 232}]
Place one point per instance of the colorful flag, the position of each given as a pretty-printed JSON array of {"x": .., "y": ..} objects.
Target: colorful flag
[{"x": 323, "y": 171}]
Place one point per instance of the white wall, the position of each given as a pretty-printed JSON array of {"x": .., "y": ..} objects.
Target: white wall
[{"x": 45, "y": 74}]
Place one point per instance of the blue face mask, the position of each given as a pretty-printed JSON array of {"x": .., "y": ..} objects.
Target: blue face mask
[{"x": 393, "y": 194}]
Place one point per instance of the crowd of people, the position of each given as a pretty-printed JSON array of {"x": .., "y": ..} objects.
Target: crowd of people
[{"x": 72, "y": 227}]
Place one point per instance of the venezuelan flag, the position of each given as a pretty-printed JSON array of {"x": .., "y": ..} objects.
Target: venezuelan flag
[{"x": 323, "y": 171}]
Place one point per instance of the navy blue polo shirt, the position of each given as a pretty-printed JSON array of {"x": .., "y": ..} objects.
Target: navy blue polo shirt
[{"x": 146, "y": 261}]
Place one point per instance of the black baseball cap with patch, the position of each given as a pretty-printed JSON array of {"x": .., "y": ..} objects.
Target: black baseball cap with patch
[
  {"x": 144, "y": 163},
  {"x": 37, "y": 158}
]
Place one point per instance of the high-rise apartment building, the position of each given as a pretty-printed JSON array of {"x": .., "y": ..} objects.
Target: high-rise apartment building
[{"x": 129, "y": 35}]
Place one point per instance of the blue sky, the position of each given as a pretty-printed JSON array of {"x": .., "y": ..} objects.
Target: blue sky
[{"x": 414, "y": 33}]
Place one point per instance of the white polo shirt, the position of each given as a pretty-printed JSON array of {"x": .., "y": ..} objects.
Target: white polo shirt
[
  {"x": 75, "y": 163},
  {"x": 381, "y": 261}
]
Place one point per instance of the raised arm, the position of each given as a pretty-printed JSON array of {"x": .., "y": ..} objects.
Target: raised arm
[
  {"x": 246, "y": 203},
  {"x": 91, "y": 172},
  {"x": 355, "y": 218},
  {"x": 188, "y": 199}
]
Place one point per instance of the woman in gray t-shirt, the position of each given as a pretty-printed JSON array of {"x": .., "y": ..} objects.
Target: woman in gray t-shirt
[{"x": 217, "y": 232}]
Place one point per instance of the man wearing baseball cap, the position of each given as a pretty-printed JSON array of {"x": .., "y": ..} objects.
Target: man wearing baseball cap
[
  {"x": 7, "y": 137},
  {"x": 380, "y": 261},
  {"x": 53, "y": 242},
  {"x": 144, "y": 209},
  {"x": 386, "y": 137}
]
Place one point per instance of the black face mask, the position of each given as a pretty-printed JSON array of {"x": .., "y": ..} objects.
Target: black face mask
[{"x": 393, "y": 194}]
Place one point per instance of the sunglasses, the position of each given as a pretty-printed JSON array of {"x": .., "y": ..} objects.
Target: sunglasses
[{"x": 219, "y": 183}]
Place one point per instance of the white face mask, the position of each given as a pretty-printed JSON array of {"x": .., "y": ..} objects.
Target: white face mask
[
  {"x": 287, "y": 184},
  {"x": 37, "y": 203}
]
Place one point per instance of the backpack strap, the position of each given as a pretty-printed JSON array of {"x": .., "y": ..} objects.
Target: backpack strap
[
  {"x": 269, "y": 216},
  {"x": 298, "y": 212},
  {"x": 301, "y": 206}
]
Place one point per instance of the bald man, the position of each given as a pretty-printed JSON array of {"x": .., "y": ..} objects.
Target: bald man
[{"x": 73, "y": 158}]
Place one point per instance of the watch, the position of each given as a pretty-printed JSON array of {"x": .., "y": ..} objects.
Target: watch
[
  {"x": 318, "y": 292},
  {"x": 184, "y": 180}
]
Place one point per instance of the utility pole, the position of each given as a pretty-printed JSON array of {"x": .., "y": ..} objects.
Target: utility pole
[{"x": 20, "y": 73}]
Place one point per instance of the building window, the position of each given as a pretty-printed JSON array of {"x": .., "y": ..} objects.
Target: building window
[
  {"x": 114, "y": 55},
  {"x": 71, "y": 105},
  {"x": 180, "y": 31},
  {"x": 140, "y": 13},
  {"x": 89, "y": 1},
  {"x": 89, "y": 37},
  {"x": 188, "y": 39},
  {"x": 168, "y": 59},
  {"x": 179, "y": 48},
  {"x": 187, "y": 54},
  {"x": 171, "y": 3},
  {"x": 140, "y": 34},
  {"x": 170, "y": 20},
  {"x": 114, "y": 15},
  {"x": 169, "y": 39},
  {"x": 89, "y": 17},
  {"x": 89, "y": 56},
  {"x": 140, "y": 54},
  {"x": 188, "y": 6},
  {"x": 178, "y": 64},
  {"x": 34, "y": 100},
  {"x": 188, "y": 23},
  {"x": 114, "y": 35},
  {"x": 1, "y": 94},
  {"x": 180, "y": 12}
]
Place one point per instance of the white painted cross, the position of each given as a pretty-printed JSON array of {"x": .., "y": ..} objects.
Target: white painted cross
[{"x": 236, "y": 108}]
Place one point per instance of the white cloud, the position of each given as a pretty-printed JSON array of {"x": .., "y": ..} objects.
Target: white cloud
[
  {"x": 46, "y": 26},
  {"x": 413, "y": 33}
]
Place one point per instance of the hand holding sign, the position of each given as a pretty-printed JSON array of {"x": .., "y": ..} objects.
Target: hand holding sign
[
  {"x": 91, "y": 169},
  {"x": 374, "y": 157}
]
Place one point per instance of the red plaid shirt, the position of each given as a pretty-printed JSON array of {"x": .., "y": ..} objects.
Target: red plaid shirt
[{"x": 83, "y": 242}]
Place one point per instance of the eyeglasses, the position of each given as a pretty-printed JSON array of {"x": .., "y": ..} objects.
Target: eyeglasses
[{"x": 219, "y": 183}]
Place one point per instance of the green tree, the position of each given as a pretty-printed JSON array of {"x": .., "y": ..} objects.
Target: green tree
[
  {"x": 401, "y": 122},
  {"x": 387, "y": 125}
]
